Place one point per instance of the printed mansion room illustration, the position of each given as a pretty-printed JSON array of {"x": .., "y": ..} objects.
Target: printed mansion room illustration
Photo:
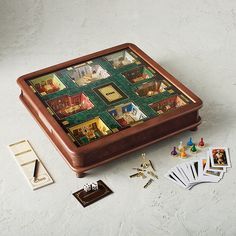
[
  {"x": 138, "y": 74},
  {"x": 48, "y": 84},
  {"x": 151, "y": 88},
  {"x": 67, "y": 105},
  {"x": 90, "y": 130},
  {"x": 87, "y": 73},
  {"x": 168, "y": 104},
  {"x": 127, "y": 114},
  {"x": 68, "y": 95},
  {"x": 120, "y": 59}
]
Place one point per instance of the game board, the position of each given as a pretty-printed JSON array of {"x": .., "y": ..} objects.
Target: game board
[{"x": 99, "y": 107}]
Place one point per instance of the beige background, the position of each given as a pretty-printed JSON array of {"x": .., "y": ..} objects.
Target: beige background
[{"x": 193, "y": 40}]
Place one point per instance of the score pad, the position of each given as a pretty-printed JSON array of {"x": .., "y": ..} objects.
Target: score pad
[{"x": 25, "y": 156}]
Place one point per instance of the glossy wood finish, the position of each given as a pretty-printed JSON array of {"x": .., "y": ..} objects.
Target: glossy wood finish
[{"x": 113, "y": 146}]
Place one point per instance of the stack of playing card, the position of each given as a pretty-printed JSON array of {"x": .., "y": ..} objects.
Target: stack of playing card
[{"x": 209, "y": 169}]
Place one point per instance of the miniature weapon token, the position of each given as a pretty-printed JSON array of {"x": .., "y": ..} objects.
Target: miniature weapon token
[
  {"x": 135, "y": 175},
  {"x": 152, "y": 174},
  {"x": 145, "y": 163},
  {"x": 152, "y": 165},
  {"x": 148, "y": 183}
]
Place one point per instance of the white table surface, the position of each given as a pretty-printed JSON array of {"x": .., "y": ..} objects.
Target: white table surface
[{"x": 193, "y": 40}]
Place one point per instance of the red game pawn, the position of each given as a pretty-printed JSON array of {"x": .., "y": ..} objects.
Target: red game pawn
[{"x": 201, "y": 143}]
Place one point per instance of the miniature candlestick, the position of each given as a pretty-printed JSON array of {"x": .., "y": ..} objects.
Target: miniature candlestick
[{"x": 145, "y": 162}]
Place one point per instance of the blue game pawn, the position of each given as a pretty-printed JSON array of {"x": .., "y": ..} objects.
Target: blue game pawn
[
  {"x": 174, "y": 152},
  {"x": 190, "y": 142}
]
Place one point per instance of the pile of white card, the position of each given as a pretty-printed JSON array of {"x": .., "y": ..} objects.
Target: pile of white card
[{"x": 209, "y": 169}]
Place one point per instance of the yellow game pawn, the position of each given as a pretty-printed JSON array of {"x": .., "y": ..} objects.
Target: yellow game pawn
[{"x": 183, "y": 154}]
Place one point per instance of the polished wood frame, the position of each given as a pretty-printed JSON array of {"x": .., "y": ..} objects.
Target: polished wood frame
[{"x": 108, "y": 148}]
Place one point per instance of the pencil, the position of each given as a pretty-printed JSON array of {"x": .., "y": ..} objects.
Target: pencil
[
  {"x": 152, "y": 165},
  {"x": 35, "y": 169}
]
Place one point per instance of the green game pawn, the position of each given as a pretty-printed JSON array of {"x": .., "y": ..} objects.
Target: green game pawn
[{"x": 193, "y": 148}]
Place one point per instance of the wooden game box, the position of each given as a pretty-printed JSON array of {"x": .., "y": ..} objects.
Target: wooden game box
[{"x": 102, "y": 106}]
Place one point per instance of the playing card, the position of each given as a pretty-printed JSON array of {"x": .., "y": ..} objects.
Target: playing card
[
  {"x": 177, "y": 178},
  {"x": 197, "y": 170},
  {"x": 194, "y": 166},
  {"x": 207, "y": 169},
  {"x": 185, "y": 169},
  {"x": 171, "y": 178},
  {"x": 219, "y": 157},
  {"x": 181, "y": 177},
  {"x": 182, "y": 172},
  {"x": 202, "y": 163},
  {"x": 192, "y": 171},
  {"x": 188, "y": 172},
  {"x": 217, "y": 172},
  {"x": 209, "y": 165}
]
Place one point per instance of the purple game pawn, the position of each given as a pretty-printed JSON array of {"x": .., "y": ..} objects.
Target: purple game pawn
[{"x": 174, "y": 152}]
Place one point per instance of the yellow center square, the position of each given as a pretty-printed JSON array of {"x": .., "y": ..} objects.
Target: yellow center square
[{"x": 110, "y": 93}]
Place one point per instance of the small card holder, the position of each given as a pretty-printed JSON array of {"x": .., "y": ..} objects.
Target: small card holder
[{"x": 25, "y": 156}]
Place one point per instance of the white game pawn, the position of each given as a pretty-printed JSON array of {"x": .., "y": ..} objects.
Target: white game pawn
[
  {"x": 181, "y": 146},
  {"x": 94, "y": 186}
]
